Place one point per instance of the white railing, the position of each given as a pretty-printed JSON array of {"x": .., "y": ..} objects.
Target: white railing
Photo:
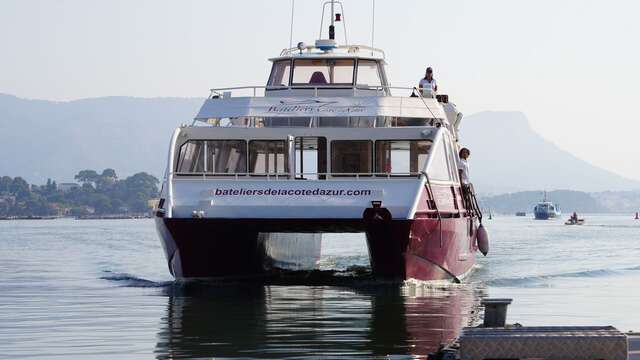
[
  {"x": 299, "y": 176},
  {"x": 380, "y": 90},
  {"x": 349, "y": 49}
]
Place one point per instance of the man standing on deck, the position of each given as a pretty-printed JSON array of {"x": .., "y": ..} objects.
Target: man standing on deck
[
  {"x": 463, "y": 170},
  {"x": 463, "y": 166},
  {"x": 428, "y": 82}
]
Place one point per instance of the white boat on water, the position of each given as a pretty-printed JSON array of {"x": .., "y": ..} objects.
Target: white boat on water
[{"x": 327, "y": 146}]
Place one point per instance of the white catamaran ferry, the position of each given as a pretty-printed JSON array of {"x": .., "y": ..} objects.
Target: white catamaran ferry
[{"x": 326, "y": 146}]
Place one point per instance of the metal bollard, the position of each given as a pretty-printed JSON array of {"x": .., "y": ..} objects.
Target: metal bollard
[{"x": 495, "y": 312}]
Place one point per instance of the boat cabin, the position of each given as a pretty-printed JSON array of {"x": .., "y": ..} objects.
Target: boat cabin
[{"x": 332, "y": 74}]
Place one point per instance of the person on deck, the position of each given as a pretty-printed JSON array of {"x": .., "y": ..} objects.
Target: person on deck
[
  {"x": 463, "y": 166},
  {"x": 463, "y": 171},
  {"x": 428, "y": 82}
]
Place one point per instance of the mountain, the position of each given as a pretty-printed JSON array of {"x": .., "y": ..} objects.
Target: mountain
[
  {"x": 44, "y": 139},
  {"x": 41, "y": 139},
  {"x": 508, "y": 156}
]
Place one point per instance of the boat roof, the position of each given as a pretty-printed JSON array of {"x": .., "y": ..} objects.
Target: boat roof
[{"x": 337, "y": 52}]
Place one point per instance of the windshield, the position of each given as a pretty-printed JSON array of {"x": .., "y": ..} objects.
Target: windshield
[
  {"x": 323, "y": 72},
  {"x": 280, "y": 73}
]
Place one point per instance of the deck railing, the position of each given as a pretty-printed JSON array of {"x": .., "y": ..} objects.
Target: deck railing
[
  {"x": 300, "y": 175},
  {"x": 380, "y": 90}
]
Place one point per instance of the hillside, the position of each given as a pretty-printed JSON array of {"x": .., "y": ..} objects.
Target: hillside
[
  {"x": 43, "y": 139},
  {"x": 507, "y": 156}
]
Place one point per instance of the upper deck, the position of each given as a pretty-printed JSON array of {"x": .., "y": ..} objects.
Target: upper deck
[{"x": 326, "y": 85}]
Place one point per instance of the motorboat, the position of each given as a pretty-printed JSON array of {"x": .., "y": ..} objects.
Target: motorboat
[
  {"x": 326, "y": 146},
  {"x": 546, "y": 210}
]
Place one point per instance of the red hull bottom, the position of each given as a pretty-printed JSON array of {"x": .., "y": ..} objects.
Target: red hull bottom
[{"x": 422, "y": 248}]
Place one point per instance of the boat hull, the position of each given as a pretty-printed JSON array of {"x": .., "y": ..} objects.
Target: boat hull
[{"x": 421, "y": 248}]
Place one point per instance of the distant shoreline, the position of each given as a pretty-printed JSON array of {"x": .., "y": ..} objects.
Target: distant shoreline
[{"x": 84, "y": 217}]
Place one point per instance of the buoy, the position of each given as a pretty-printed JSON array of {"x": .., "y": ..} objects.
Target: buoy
[
  {"x": 637, "y": 217},
  {"x": 483, "y": 240}
]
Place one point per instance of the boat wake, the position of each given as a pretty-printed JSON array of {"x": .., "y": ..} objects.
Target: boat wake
[
  {"x": 613, "y": 226},
  {"x": 128, "y": 280},
  {"x": 544, "y": 280}
]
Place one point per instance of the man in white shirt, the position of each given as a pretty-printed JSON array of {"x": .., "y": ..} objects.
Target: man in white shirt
[
  {"x": 428, "y": 83},
  {"x": 463, "y": 166},
  {"x": 463, "y": 170}
]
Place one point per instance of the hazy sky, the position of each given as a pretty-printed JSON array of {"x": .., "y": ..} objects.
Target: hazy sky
[{"x": 571, "y": 66}]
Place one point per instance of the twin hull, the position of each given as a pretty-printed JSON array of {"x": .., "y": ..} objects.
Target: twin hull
[{"x": 223, "y": 228}]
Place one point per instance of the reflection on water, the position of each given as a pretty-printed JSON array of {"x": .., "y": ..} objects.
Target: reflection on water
[{"x": 278, "y": 320}]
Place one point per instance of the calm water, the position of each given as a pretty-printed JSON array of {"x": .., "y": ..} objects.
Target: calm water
[{"x": 100, "y": 289}]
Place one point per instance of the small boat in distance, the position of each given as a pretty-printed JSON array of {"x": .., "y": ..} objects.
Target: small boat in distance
[
  {"x": 574, "y": 222},
  {"x": 546, "y": 210},
  {"x": 521, "y": 213}
]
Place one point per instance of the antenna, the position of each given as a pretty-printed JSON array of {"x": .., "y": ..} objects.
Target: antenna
[
  {"x": 293, "y": 3},
  {"x": 335, "y": 17},
  {"x": 373, "y": 24},
  {"x": 332, "y": 28}
]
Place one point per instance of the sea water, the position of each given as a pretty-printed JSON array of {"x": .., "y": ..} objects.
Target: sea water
[{"x": 83, "y": 289}]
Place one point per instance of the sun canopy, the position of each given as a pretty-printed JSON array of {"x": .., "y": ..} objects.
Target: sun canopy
[{"x": 320, "y": 106}]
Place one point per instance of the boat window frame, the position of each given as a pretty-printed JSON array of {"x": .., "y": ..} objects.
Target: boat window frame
[
  {"x": 178, "y": 159},
  {"x": 380, "y": 74},
  {"x": 206, "y": 157},
  {"x": 206, "y": 171},
  {"x": 454, "y": 156},
  {"x": 355, "y": 174},
  {"x": 383, "y": 174},
  {"x": 327, "y": 85},
  {"x": 273, "y": 67},
  {"x": 268, "y": 174},
  {"x": 432, "y": 156}
]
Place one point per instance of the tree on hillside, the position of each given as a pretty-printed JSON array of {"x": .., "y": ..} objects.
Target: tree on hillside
[
  {"x": 109, "y": 173},
  {"x": 5, "y": 184},
  {"x": 140, "y": 188},
  {"x": 87, "y": 176},
  {"x": 142, "y": 183},
  {"x": 51, "y": 187},
  {"x": 107, "y": 179},
  {"x": 4, "y": 208},
  {"x": 19, "y": 188}
]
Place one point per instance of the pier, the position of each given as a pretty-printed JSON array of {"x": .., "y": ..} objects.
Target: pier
[{"x": 495, "y": 339}]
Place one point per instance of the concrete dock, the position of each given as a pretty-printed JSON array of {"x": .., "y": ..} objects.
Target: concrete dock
[{"x": 495, "y": 339}]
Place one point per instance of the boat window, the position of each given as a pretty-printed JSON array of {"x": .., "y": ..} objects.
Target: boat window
[
  {"x": 346, "y": 121},
  {"x": 351, "y": 157},
  {"x": 226, "y": 156},
  {"x": 288, "y": 121},
  {"x": 268, "y": 157},
  {"x": 311, "y": 157},
  {"x": 401, "y": 157},
  {"x": 323, "y": 72},
  {"x": 394, "y": 121},
  {"x": 453, "y": 159},
  {"x": 280, "y": 73},
  {"x": 439, "y": 169},
  {"x": 368, "y": 74},
  {"x": 191, "y": 157}
]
